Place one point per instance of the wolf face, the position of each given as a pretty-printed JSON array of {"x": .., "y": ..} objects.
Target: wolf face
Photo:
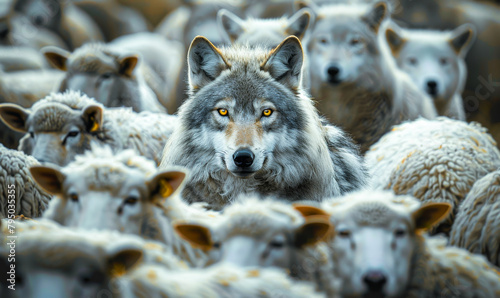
[
  {"x": 434, "y": 60},
  {"x": 343, "y": 48}
]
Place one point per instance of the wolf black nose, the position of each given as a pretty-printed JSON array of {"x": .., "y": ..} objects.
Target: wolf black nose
[
  {"x": 432, "y": 87},
  {"x": 243, "y": 158},
  {"x": 375, "y": 280},
  {"x": 333, "y": 71}
]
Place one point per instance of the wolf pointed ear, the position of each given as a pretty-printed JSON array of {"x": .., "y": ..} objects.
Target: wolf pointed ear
[
  {"x": 285, "y": 62},
  {"x": 123, "y": 261},
  {"x": 430, "y": 215},
  {"x": 49, "y": 178},
  {"x": 197, "y": 235},
  {"x": 57, "y": 57},
  {"x": 92, "y": 116},
  {"x": 164, "y": 184},
  {"x": 299, "y": 22},
  {"x": 128, "y": 64},
  {"x": 205, "y": 62},
  {"x": 315, "y": 229},
  {"x": 376, "y": 15},
  {"x": 462, "y": 38},
  {"x": 229, "y": 24},
  {"x": 394, "y": 40},
  {"x": 14, "y": 116}
]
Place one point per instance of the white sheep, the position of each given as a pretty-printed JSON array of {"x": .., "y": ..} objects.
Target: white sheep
[
  {"x": 62, "y": 125},
  {"x": 380, "y": 249},
  {"x": 255, "y": 232},
  {"x": 53, "y": 261},
  {"x": 477, "y": 223},
  {"x": 216, "y": 281},
  {"x": 19, "y": 193},
  {"x": 14, "y": 58},
  {"x": 433, "y": 160},
  {"x": 123, "y": 192}
]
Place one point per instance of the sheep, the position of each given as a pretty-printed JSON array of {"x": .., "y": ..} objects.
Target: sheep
[
  {"x": 123, "y": 192},
  {"x": 478, "y": 219},
  {"x": 14, "y": 58},
  {"x": 435, "y": 160},
  {"x": 262, "y": 233},
  {"x": 380, "y": 250},
  {"x": 19, "y": 193},
  {"x": 52, "y": 261},
  {"x": 217, "y": 281},
  {"x": 138, "y": 70},
  {"x": 62, "y": 125}
]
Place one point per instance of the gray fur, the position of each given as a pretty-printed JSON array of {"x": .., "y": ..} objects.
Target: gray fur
[{"x": 301, "y": 159}]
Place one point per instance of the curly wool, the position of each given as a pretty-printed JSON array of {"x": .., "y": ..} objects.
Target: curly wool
[
  {"x": 477, "y": 223},
  {"x": 433, "y": 160},
  {"x": 30, "y": 199}
]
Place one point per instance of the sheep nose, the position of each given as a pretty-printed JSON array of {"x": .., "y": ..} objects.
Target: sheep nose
[
  {"x": 375, "y": 280},
  {"x": 243, "y": 158}
]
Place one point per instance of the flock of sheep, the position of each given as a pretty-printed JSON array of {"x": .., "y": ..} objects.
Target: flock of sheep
[{"x": 228, "y": 148}]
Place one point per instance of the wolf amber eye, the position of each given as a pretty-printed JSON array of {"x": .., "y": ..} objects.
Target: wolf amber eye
[
  {"x": 73, "y": 197},
  {"x": 267, "y": 112},
  {"x": 223, "y": 112}
]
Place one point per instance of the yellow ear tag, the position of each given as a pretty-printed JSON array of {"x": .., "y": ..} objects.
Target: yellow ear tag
[
  {"x": 95, "y": 125},
  {"x": 165, "y": 188},
  {"x": 118, "y": 269}
]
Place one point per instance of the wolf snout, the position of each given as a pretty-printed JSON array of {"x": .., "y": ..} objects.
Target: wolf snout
[
  {"x": 333, "y": 72},
  {"x": 432, "y": 87},
  {"x": 243, "y": 158},
  {"x": 375, "y": 280}
]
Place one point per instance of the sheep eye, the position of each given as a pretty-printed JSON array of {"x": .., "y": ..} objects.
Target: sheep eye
[
  {"x": 400, "y": 233},
  {"x": 412, "y": 61},
  {"x": 106, "y": 75},
  {"x": 443, "y": 61},
  {"x": 344, "y": 233},
  {"x": 216, "y": 245},
  {"x": 73, "y": 133},
  {"x": 277, "y": 244},
  {"x": 323, "y": 41},
  {"x": 73, "y": 197},
  {"x": 223, "y": 112},
  {"x": 131, "y": 200},
  {"x": 354, "y": 41}
]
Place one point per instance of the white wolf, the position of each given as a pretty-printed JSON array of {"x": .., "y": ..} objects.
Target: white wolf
[
  {"x": 435, "y": 61},
  {"x": 248, "y": 127},
  {"x": 353, "y": 76}
]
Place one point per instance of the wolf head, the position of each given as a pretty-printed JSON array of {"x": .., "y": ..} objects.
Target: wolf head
[
  {"x": 434, "y": 59},
  {"x": 343, "y": 47}
]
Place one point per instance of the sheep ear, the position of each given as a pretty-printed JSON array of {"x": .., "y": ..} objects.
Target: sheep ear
[
  {"x": 49, "y": 178},
  {"x": 164, "y": 184},
  {"x": 299, "y": 22},
  {"x": 197, "y": 235},
  {"x": 205, "y": 62},
  {"x": 285, "y": 62},
  {"x": 376, "y": 15},
  {"x": 127, "y": 65},
  {"x": 307, "y": 210},
  {"x": 394, "y": 40},
  {"x": 462, "y": 38},
  {"x": 14, "y": 116},
  {"x": 92, "y": 116},
  {"x": 229, "y": 24},
  {"x": 57, "y": 57},
  {"x": 430, "y": 215},
  {"x": 312, "y": 231},
  {"x": 122, "y": 261}
]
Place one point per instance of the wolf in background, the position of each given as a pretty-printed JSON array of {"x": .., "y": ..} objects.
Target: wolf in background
[
  {"x": 353, "y": 76},
  {"x": 248, "y": 127},
  {"x": 435, "y": 60}
]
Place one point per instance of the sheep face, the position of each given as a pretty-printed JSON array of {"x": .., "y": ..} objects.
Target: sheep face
[
  {"x": 257, "y": 240},
  {"x": 375, "y": 241},
  {"x": 108, "y": 196},
  {"x": 56, "y": 132}
]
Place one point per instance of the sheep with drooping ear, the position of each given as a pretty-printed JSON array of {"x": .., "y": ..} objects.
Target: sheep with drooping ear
[
  {"x": 380, "y": 249},
  {"x": 123, "y": 192}
]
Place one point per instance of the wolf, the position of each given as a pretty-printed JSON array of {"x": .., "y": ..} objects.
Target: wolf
[
  {"x": 354, "y": 78},
  {"x": 266, "y": 32},
  {"x": 248, "y": 127},
  {"x": 435, "y": 60}
]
